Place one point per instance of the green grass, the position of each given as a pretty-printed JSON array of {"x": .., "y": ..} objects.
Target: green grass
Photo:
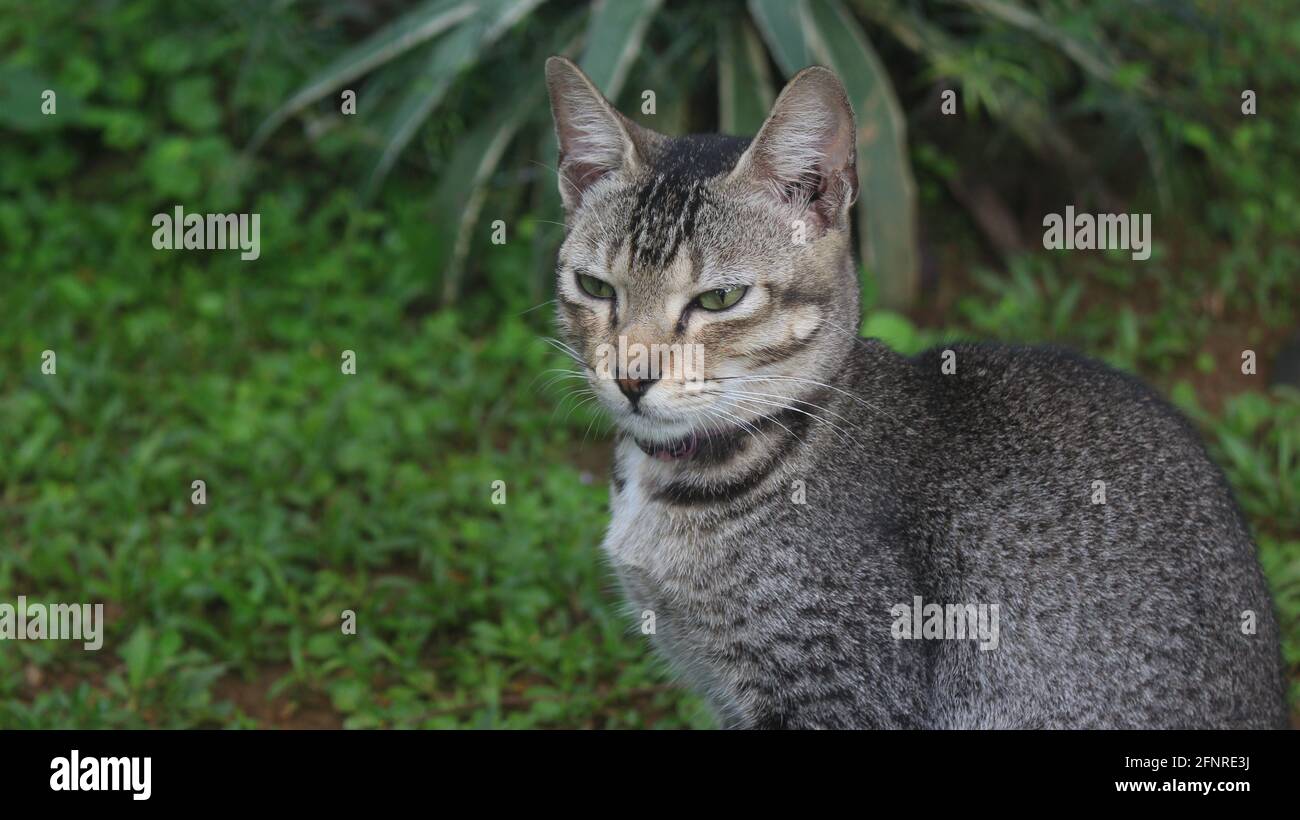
[{"x": 325, "y": 492}]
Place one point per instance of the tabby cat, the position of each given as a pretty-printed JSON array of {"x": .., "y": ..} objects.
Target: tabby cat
[{"x": 784, "y": 518}]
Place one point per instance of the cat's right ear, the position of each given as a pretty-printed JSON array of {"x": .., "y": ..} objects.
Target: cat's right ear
[
  {"x": 594, "y": 139},
  {"x": 805, "y": 155}
]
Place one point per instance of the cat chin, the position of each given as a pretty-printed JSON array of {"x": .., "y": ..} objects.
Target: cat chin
[{"x": 657, "y": 431}]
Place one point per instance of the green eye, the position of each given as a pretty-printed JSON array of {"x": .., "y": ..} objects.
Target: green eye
[
  {"x": 595, "y": 287},
  {"x": 720, "y": 299}
]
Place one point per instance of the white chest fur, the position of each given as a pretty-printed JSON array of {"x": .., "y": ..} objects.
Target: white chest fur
[
  {"x": 657, "y": 553},
  {"x": 642, "y": 535}
]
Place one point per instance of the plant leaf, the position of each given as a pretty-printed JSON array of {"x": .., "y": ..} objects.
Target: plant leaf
[
  {"x": 744, "y": 83},
  {"x": 1025, "y": 116},
  {"x": 887, "y": 202},
  {"x": 613, "y": 40},
  {"x": 463, "y": 187},
  {"x": 548, "y": 207},
  {"x": 448, "y": 57},
  {"x": 21, "y": 101},
  {"x": 405, "y": 33},
  {"x": 1092, "y": 59},
  {"x": 781, "y": 24}
]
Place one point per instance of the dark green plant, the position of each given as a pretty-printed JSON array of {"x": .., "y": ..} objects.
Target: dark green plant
[{"x": 438, "y": 42}]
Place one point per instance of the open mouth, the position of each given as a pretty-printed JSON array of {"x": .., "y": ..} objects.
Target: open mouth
[{"x": 675, "y": 450}]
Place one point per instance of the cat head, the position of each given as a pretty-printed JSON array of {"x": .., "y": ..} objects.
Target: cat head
[{"x": 705, "y": 281}]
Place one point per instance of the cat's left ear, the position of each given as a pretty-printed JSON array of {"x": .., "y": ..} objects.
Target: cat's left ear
[
  {"x": 595, "y": 140},
  {"x": 806, "y": 152}
]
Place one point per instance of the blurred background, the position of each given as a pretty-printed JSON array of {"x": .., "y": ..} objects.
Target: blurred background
[{"x": 373, "y": 492}]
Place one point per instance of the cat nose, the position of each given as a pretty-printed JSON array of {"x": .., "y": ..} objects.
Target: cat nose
[{"x": 634, "y": 389}]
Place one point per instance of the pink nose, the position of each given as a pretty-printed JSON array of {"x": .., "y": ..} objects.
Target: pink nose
[{"x": 634, "y": 389}]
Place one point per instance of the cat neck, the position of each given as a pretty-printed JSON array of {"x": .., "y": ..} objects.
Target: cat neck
[{"x": 729, "y": 463}]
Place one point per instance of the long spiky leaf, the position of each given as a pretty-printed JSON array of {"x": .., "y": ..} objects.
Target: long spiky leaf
[{"x": 410, "y": 30}]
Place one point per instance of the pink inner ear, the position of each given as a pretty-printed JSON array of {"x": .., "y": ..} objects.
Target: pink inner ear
[
  {"x": 822, "y": 193},
  {"x": 580, "y": 176},
  {"x": 826, "y": 200},
  {"x": 805, "y": 154},
  {"x": 592, "y": 141}
]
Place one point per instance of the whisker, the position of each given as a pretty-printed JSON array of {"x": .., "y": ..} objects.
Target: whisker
[
  {"x": 563, "y": 373},
  {"x": 565, "y": 420},
  {"x": 843, "y": 435},
  {"x": 800, "y": 380},
  {"x": 567, "y": 350},
  {"x": 768, "y": 417},
  {"x": 583, "y": 389},
  {"x": 719, "y": 421},
  {"x": 826, "y": 410},
  {"x": 560, "y": 378},
  {"x": 750, "y": 429},
  {"x": 587, "y": 432},
  {"x": 536, "y": 307}
]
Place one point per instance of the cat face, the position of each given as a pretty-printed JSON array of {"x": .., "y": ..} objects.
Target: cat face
[{"x": 704, "y": 279}]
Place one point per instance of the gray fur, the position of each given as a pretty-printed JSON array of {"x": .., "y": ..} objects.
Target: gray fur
[{"x": 969, "y": 488}]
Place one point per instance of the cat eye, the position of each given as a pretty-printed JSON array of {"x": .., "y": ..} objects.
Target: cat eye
[
  {"x": 592, "y": 286},
  {"x": 722, "y": 298}
]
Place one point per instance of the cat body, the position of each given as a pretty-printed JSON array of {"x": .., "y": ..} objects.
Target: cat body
[
  {"x": 779, "y": 520},
  {"x": 1122, "y": 614}
]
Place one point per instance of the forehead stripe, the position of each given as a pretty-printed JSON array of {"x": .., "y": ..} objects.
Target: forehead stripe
[{"x": 662, "y": 219}]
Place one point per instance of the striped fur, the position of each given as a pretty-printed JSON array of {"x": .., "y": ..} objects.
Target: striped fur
[{"x": 829, "y": 479}]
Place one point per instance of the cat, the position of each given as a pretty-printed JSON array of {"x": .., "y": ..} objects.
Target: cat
[{"x": 775, "y": 518}]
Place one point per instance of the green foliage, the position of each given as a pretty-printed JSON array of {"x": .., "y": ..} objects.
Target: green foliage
[
  {"x": 888, "y": 246},
  {"x": 895, "y": 330},
  {"x": 1031, "y": 71},
  {"x": 326, "y": 492},
  {"x": 450, "y": 43},
  {"x": 745, "y": 92}
]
